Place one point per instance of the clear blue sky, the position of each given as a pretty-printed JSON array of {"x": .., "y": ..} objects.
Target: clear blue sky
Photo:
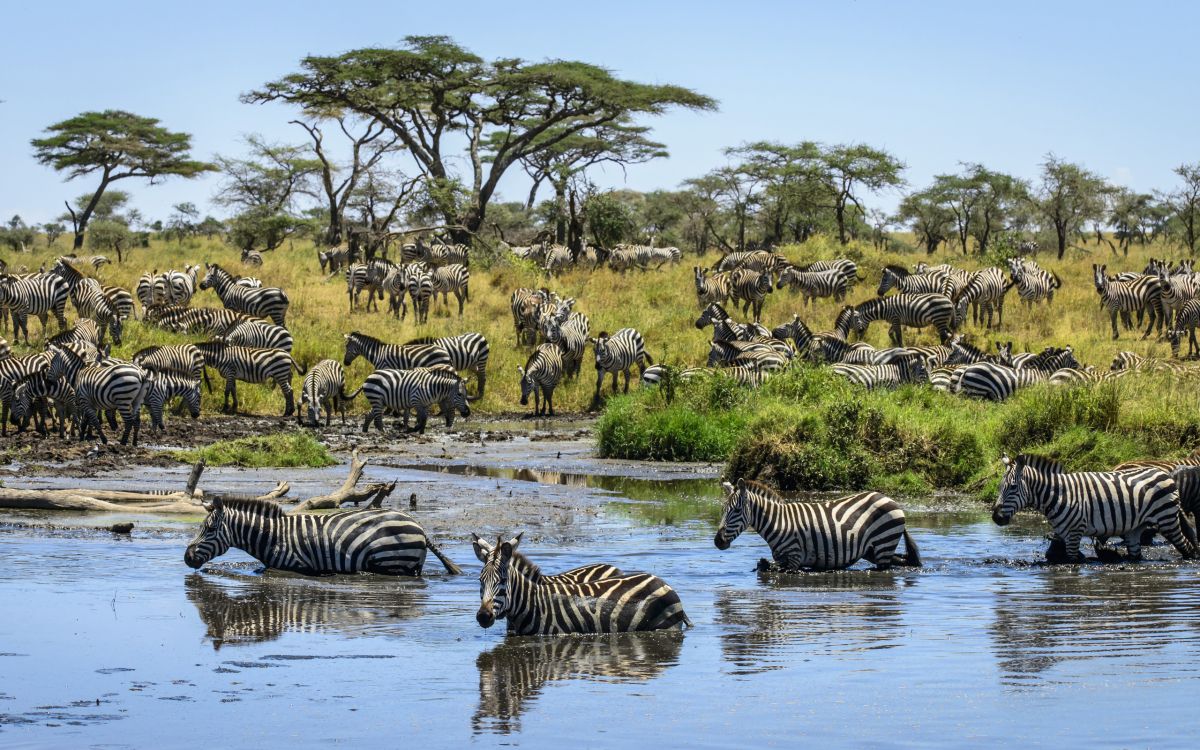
[{"x": 1111, "y": 85}]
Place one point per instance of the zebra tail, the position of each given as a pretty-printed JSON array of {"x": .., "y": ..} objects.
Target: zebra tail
[
  {"x": 207, "y": 381},
  {"x": 302, "y": 369},
  {"x": 1057, "y": 281},
  {"x": 451, "y": 568},
  {"x": 912, "y": 554},
  {"x": 649, "y": 361},
  {"x": 350, "y": 396}
]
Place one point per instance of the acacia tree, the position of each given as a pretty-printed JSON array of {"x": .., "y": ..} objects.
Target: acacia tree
[
  {"x": 263, "y": 188},
  {"x": 117, "y": 145},
  {"x": 853, "y": 168},
  {"x": 1068, "y": 197},
  {"x": 732, "y": 191},
  {"x": 1001, "y": 199},
  {"x": 434, "y": 95},
  {"x": 1184, "y": 204},
  {"x": 795, "y": 192},
  {"x": 931, "y": 220}
]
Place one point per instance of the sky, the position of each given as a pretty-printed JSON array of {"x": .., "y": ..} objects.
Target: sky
[{"x": 1110, "y": 85}]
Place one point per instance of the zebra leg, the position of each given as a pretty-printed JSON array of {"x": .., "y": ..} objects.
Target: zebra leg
[
  {"x": 111, "y": 416},
  {"x": 596, "y": 395},
  {"x": 371, "y": 417},
  {"x": 549, "y": 397},
  {"x": 422, "y": 418},
  {"x": 1180, "y": 534},
  {"x": 460, "y": 304},
  {"x": 1133, "y": 544},
  {"x": 626, "y": 371},
  {"x": 132, "y": 424},
  {"x": 1113, "y": 317},
  {"x": 614, "y": 383},
  {"x": 285, "y": 385},
  {"x": 1072, "y": 553}
]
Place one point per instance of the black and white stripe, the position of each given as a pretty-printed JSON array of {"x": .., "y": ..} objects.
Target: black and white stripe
[
  {"x": 711, "y": 287},
  {"x": 569, "y": 330},
  {"x": 618, "y": 353},
  {"x": 1033, "y": 283},
  {"x": 906, "y": 369},
  {"x": 324, "y": 388},
  {"x": 985, "y": 293},
  {"x": 1140, "y": 294},
  {"x": 468, "y": 353},
  {"x": 383, "y": 356},
  {"x": 258, "y": 334},
  {"x": 264, "y": 302},
  {"x": 251, "y": 365},
  {"x": 39, "y": 295},
  {"x": 912, "y": 310},
  {"x": 398, "y": 391},
  {"x": 815, "y": 284},
  {"x": 453, "y": 279},
  {"x": 121, "y": 388},
  {"x": 166, "y": 386},
  {"x": 540, "y": 376},
  {"x": 750, "y": 288}
]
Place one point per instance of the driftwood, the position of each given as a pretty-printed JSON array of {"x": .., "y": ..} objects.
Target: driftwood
[{"x": 373, "y": 494}]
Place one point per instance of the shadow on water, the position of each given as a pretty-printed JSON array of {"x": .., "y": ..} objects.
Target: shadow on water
[
  {"x": 1138, "y": 621},
  {"x": 843, "y": 613},
  {"x": 513, "y": 674},
  {"x": 242, "y": 609}
]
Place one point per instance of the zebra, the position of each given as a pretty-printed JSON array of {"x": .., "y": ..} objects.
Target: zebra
[
  {"x": 829, "y": 349},
  {"x": 85, "y": 330},
  {"x": 795, "y": 331},
  {"x": 252, "y": 257},
  {"x": 371, "y": 540},
  {"x": 324, "y": 388},
  {"x": 265, "y": 302},
  {"x": 996, "y": 382},
  {"x": 558, "y": 259},
  {"x": 762, "y": 355},
  {"x": 524, "y": 304},
  {"x": 711, "y": 288},
  {"x": 1176, "y": 291},
  {"x": 418, "y": 389},
  {"x": 1084, "y": 376},
  {"x": 144, "y": 290},
  {"x": 913, "y": 310},
  {"x": 963, "y": 353},
  {"x": 452, "y": 279},
  {"x": 817, "y": 536},
  {"x": 1139, "y": 294},
  {"x": 569, "y": 330},
  {"x": 512, "y": 588},
  {"x": 91, "y": 302},
  {"x": 1033, "y": 283},
  {"x": 1187, "y": 317},
  {"x": 902, "y": 281},
  {"x": 845, "y": 265},
  {"x": 1131, "y": 361},
  {"x": 439, "y": 254},
  {"x": 540, "y": 375},
  {"x": 909, "y": 369},
  {"x": 420, "y": 290},
  {"x": 120, "y": 299},
  {"x": 258, "y": 334},
  {"x": 358, "y": 278},
  {"x": 251, "y": 365},
  {"x": 213, "y": 321},
  {"x": 333, "y": 258},
  {"x": 38, "y": 388},
  {"x": 751, "y": 288},
  {"x": 985, "y": 293},
  {"x": 1048, "y": 360},
  {"x": 39, "y": 295},
  {"x": 724, "y": 329},
  {"x": 178, "y": 287},
  {"x": 5, "y": 349},
  {"x": 618, "y": 353},
  {"x": 468, "y": 352},
  {"x": 815, "y": 284},
  {"x": 164, "y": 387},
  {"x": 118, "y": 387},
  {"x": 383, "y": 356},
  {"x": 1099, "y": 504},
  {"x": 183, "y": 360},
  {"x": 1187, "y": 484},
  {"x": 16, "y": 369}
]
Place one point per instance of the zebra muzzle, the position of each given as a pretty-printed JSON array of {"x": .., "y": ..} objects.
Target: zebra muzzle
[
  {"x": 720, "y": 541},
  {"x": 999, "y": 518},
  {"x": 485, "y": 616}
]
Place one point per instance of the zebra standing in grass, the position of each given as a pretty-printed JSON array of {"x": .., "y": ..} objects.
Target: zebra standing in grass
[
  {"x": 164, "y": 387},
  {"x": 618, "y": 353},
  {"x": 913, "y": 310},
  {"x": 750, "y": 288},
  {"x": 349, "y": 541},
  {"x": 265, "y": 302},
  {"x": 383, "y": 356},
  {"x": 452, "y": 279},
  {"x": 358, "y": 279},
  {"x": 39, "y": 295},
  {"x": 258, "y": 334},
  {"x": 324, "y": 388},
  {"x": 252, "y": 258},
  {"x": 814, "y": 284},
  {"x": 512, "y": 588},
  {"x": 558, "y": 259},
  {"x": 420, "y": 291},
  {"x": 898, "y": 278},
  {"x": 984, "y": 293},
  {"x": 120, "y": 388},
  {"x": 439, "y": 254},
  {"x": 251, "y": 365},
  {"x": 91, "y": 302},
  {"x": 333, "y": 258},
  {"x": 1033, "y": 283},
  {"x": 524, "y": 303},
  {"x": 818, "y": 536},
  {"x": 179, "y": 286},
  {"x": 1123, "y": 297},
  {"x": 907, "y": 369},
  {"x": 540, "y": 376},
  {"x": 468, "y": 352},
  {"x": 1175, "y": 291},
  {"x": 144, "y": 291},
  {"x": 1099, "y": 504},
  {"x": 569, "y": 330},
  {"x": 711, "y": 288},
  {"x": 418, "y": 389},
  {"x": 1187, "y": 318}
]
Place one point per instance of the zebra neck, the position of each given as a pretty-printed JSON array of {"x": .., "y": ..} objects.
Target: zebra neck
[
  {"x": 759, "y": 512},
  {"x": 522, "y": 601},
  {"x": 1044, "y": 489},
  {"x": 258, "y": 536}
]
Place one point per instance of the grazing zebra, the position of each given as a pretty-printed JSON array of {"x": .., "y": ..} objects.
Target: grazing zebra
[
  {"x": 908, "y": 369},
  {"x": 452, "y": 279},
  {"x": 569, "y": 330},
  {"x": 418, "y": 389},
  {"x": 213, "y": 321},
  {"x": 815, "y": 284},
  {"x": 251, "y": 365},
  {"x": 902, "y": 281},
  {"x": 166, "y": 386},
  {"x": 996, "y": 382},
  {"x": 144, "y": 291},
  {"x": 795, "y": 331},
  {"x": 710, "y": 289},
  {"x": 184, "y": 360},
  {"x": 1187, "y": 318},
  {"x": 384, "y": 356},
  {"x": 512, "y": 588},
  {"x": 724, "y": 328},
  {"x": 14, "y": 370},
  {"x": 324, "y": 388},
  {"x": 845, "y": 265},
  {"x": 387, "y": 542},
  {"x": 468, "y": 352},
  {"x": 1099, "y": 504},
  {"x": 38, "y": 295},
  {"x": 37, "y": 388},
  {"x": 420, "y": 290},
  {"x": 913, "y": 310},
  {"x": 120, "y": 388},
  {"x": 540, "y": 375},
  {"x": 985, "y": 293},
  {"x": 252, "y": 257},
  {"x": 258, "y": 334},
  {"x": 333, "y": 259},
  {"x": 264, "y": 302},
  {"x": 618, "y": 353},
  {"x": 750, "y": 288},
  {"x": 1033, "y": 283},
  {"x": 818, "y": 536},
  {"x": 1139, "y": 294}
]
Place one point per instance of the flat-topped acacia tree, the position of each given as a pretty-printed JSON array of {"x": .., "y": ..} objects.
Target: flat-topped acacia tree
[
  {"x": 441, "y": 99},
  {"x": 117, "y": 145}
]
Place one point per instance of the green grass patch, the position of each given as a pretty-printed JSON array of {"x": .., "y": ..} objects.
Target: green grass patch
[{"x": 281, "y": 449}]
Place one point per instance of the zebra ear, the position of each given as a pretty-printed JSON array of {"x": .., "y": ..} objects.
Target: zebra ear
[
  {"x": 741, "y": 484},
  {"x": 481, "y": 547},
  {"x": 509, "y": 547},
  {"x": 1004, "y": 459}
]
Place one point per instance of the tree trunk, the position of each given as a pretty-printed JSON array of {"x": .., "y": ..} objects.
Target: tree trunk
[
  {"x": 840, "y": 212},
  {"x": 1061, "y": 232},
  {"x": 560, "y": 212}
]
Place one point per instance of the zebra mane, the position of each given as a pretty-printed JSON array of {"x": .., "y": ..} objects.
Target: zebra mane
[
  {"x": 900, "y": 271},
  {"x": 1040, "y": 463},
  {"x": 364, "y": 337},
  {"x": 764, "y": 490},
  {"x": 527, "y": 568},
  {"x": 266, "y": 508}
]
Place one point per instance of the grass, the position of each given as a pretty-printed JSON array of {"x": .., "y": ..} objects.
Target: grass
[{"x": 281, "y": 449}]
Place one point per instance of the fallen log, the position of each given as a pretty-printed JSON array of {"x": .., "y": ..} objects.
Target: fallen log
[{"x": 373, "y": 494}]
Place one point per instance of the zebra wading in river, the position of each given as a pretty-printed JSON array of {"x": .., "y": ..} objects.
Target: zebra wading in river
[
  {"x": 512, "y": 588},
  {"x": 818, "y": 536},
  {"x": 349, "y": 541},
  {"x": 1099, "y": 504}
]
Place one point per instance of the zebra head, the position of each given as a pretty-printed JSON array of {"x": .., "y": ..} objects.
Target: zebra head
[
  {"x": 733, "y": 514},
  {"x": 213, "y": 538},
  {"x": 191, "y": 397},
  {"x": 849, "y": 319},
  {"x": 22, "y": 406},
  {"x": 890, "y": 277},
  {"x": 456, "y": 401},
  {"x": 1014, "y": 493},
  {"x": 353, "y": 348},
  {"x": 211, "y": 274},
  {"x": 493, "y": 579},
  {"x": 1098, "y": 277},
  {"x": 527, "y": 385},
  {"x": 711, "y": 315}
]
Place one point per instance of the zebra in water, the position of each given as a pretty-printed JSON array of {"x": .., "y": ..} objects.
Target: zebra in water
[
  {"x": 468, "y": 352},
  {"x": 251, "y": 365},
  {"x": 985, "y": 292},
  {"x": 618, "y": 353},
  {"x": 1141, "y": 294},
  {"x": 907, "y": 369},
  {"x": 569, "y": 330},
  {"x": 166, "y": 386},
  {"x": 1033, "y": 283},
  {"x": 818, "y": 536},
  {"x": 814, "y": 284},
  {"x": 452, "y": 279},
  {"x": 383, "y": 356},
  {"x": 387, "y": 542},
  {"x": 121, "y": 388},
  {"x": 1099, "y": 504},
  {"x": 540, "y": 376},
  {"x": 418, "y": 389},
  {"x": 40, "y": 295},
  {"x": 711, "y": 288},
  {"x": 913, "y": 310},
  {"x": 264, "y": 302},
  {"x": 258, "y": 334},
  {"x": 324, "y": 388},
  {"x": 512, "y": 588},
  {"x": 750, "y": 288},
  {"x": 898, "y": 278}
]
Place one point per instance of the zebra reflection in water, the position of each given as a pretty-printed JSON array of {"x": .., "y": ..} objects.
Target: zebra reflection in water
[
  {"x": 513, "y": 674},
  {"x": 257, "y": 609}
]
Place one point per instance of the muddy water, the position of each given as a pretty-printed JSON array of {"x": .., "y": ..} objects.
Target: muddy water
[{"x": 110, "y": 641}]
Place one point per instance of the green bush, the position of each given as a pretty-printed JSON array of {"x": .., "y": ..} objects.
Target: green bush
[{"x": 287, "y": 449}]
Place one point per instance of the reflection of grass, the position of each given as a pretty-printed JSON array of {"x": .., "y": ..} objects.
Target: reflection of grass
[
  {"x": 278, "y": 449},
  {"x": 670, "y": 505}
]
